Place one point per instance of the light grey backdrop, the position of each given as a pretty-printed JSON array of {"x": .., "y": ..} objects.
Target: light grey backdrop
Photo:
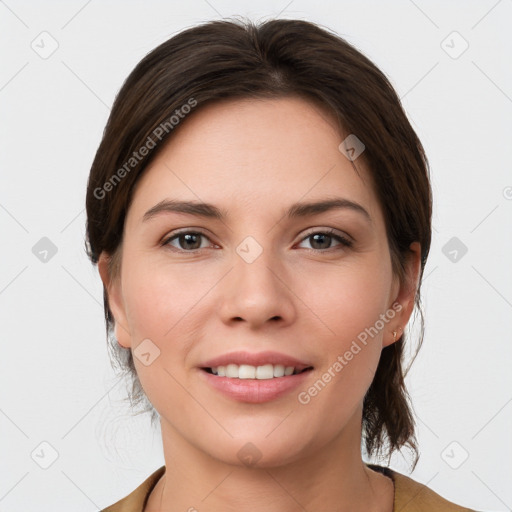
[{"x": 62, "y": 64}]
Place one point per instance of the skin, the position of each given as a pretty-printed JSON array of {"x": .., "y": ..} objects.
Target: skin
[{"x": 254, "y": 158}]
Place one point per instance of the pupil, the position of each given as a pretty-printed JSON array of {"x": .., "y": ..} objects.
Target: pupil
[
  {"x": 189, "y": 239},
  {"x": 322, "y": 236}
]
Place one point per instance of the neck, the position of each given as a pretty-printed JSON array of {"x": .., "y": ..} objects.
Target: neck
[{"x": 333, "y": 478}]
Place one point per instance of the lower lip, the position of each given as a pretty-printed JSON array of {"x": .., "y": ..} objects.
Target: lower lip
[{"x": 255, "y": 391}]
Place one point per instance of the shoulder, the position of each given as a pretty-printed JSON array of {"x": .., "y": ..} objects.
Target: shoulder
[
  {"x": 136, "y": 500},
  {"x": 412, "y": 496}
]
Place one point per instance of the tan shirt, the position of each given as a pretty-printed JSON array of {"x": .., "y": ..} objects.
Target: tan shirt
[{"x": 410, "y": 496}]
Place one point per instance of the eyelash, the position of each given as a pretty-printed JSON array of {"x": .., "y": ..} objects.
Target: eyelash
[{"x": 345, "y": 242}]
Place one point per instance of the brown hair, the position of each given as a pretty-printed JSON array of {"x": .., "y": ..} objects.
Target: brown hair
[{"x": 237, "y": 59}]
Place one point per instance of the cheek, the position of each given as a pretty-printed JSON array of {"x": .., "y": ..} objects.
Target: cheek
[
  {"x": 168, "y": 306},
  {"x": 161, "y": 300},
  {"x": 351, "y": 306},
  {"x": 161, "y": 306},
  {"x": 347, "y": 301}
]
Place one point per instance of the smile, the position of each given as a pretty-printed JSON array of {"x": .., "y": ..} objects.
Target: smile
[
  {"x": 247, "y": 371},
  {"x": 255, "y": 377}
]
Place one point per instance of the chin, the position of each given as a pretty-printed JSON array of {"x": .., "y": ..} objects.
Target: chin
[{"x": 258, "y": 451}]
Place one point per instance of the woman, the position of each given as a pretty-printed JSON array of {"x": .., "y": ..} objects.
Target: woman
[{"x": 260, "y": 212}]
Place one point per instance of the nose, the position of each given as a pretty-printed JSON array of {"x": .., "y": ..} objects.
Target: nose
[{"x": 257, "y": 293}]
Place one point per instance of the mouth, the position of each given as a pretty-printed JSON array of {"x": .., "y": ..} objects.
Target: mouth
[
  {"x": 255, "y": 377},
  {"x": 262, "y": 372}
]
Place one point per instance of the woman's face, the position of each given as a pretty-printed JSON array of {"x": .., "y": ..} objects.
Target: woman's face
[{"x": 259, "y": 280}]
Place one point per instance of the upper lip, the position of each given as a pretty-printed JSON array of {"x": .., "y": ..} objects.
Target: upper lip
[{"x": 255, "y": 359}]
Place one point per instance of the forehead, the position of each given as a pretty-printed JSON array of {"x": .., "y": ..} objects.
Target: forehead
[{"x": 255, "y": 153}]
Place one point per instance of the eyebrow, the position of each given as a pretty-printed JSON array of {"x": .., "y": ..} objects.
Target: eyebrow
[{"x": 210, "y": 211}]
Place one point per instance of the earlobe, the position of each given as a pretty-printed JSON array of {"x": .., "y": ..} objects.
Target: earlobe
[{"x": 115, "y": 302}]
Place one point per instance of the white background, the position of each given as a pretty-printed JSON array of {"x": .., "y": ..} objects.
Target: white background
[{"x": 56, "y": 381}]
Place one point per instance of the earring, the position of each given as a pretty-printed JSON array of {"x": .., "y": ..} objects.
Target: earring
[{"x": 396, "y": 332}]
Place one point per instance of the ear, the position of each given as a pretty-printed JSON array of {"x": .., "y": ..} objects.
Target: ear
[
  {"x": 405, "y": 296},
  {"x": 115, "y": 301}
]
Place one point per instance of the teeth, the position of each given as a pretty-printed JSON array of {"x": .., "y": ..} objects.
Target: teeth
[
  {"x": 232, "y": 370},
  {"x": 278, "y": 370},
  {"x": 263, "y": 372},
  {"x": 246, "y": 371}
]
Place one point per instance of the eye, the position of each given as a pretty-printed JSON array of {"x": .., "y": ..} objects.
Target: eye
[
  {"x": 321, "y": 240},
  {"x": 188, "y": 241}
]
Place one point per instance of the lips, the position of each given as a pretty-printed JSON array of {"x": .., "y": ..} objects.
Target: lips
[{"x": 255, "y": 378}]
